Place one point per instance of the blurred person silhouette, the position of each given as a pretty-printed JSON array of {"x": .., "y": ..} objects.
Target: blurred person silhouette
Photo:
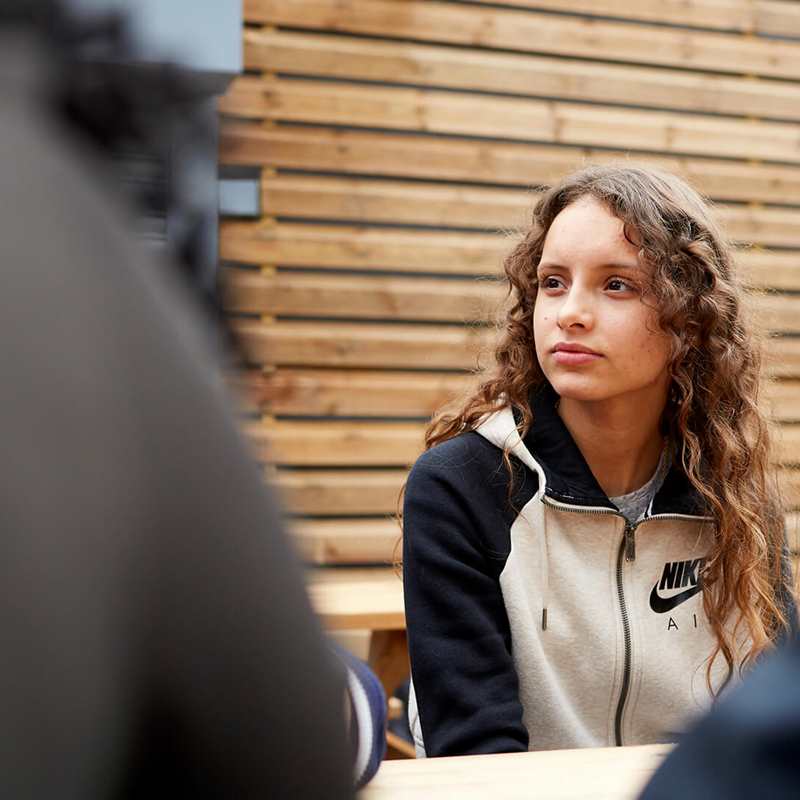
[
  {"x": 747, "y": 747},
  {"x": 158, "y": 640}
]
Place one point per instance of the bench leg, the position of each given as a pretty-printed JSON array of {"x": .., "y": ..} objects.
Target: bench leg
[{"x": 388, "y": 657}]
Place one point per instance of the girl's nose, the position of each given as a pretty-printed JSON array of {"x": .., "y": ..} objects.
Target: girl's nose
[{"x": 575, "y": 310}]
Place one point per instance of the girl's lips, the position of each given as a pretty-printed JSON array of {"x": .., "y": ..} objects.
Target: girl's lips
[{"x": 571, "y": 358}]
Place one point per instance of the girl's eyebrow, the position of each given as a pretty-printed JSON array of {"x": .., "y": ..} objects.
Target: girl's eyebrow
[{"x": 597, "y": 268}]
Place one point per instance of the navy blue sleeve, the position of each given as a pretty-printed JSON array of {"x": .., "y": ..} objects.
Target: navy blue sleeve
[
  {"x": 459, "y": 640},
  {"x": 747, "y": 746}
]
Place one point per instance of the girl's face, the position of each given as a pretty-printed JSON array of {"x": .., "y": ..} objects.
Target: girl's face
[{"x": 595, "y": 338}]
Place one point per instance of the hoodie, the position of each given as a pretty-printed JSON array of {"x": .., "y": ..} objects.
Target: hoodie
[{"x": 538, "y": 617}]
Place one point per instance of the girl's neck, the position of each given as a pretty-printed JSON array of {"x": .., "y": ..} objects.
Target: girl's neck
[{"x": 620, "y": 440}]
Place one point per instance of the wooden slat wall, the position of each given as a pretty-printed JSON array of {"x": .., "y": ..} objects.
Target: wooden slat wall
[{"x": 398, "y": 143}]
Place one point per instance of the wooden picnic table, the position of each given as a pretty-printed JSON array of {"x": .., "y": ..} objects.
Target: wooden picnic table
[{"x": 608, "y": 773}]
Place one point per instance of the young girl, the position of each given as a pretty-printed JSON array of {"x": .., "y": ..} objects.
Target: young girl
[{"x": 591, "y": 545}]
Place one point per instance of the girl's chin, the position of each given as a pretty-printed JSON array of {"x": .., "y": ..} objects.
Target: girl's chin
[{"x": 579, "y": 388}]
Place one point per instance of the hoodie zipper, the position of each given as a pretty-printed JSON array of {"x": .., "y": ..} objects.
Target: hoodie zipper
[
  {"x": 626, "y": 553},
  {"x": 627, "y": 549}
]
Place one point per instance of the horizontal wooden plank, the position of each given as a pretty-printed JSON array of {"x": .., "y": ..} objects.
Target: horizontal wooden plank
[
  {"x": 337, "y": 444},
  {"x": 525, "y": 119},
  {"x": 350, "y": 491},
  {"x": 774, "y": 270},
  {"x": 774, "y": 227},
  {"x": 376, "y": 297},
  {"x": 748, "y": 16},
  {"x": 332, "y": 344},
  {"x": 786, "y": 444},
  {"x": 506, "y": 73},
  {"x": 378, "y": 541},
  {"x": 351, "y": 393},
  {"x": 383, "y": 201},
  {"x": 349, "y": 541},
  {"x": 360, "y": 200},
  {"x": 376, "y": 492},
  {"x": 788, "y": 482},
  {"x": 776, "y": 312},
  {"x": 336, "y": 247},
  {"x": 377, "y": 346},
  {"x": 341, "y": 247},
  {"x": 426, "y": 299},
  {"x": 372, "y": 393},
  {"x": 510, "y": 29},
  {"x": 792, "y": 523},
  {"x": 782, "y": 357},
  {"x": 447, "y": 158},
  {"x": 782, "y": 399},
  {"x": 393, "y": 444}
]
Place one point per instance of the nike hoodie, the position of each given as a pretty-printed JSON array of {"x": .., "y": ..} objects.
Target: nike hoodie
[{"x": 544, "y": 620}]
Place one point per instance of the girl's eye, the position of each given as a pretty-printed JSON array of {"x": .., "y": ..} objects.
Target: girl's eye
[
  {"x": 549, "y": 283},
  {"x": 619, "y": 285}
]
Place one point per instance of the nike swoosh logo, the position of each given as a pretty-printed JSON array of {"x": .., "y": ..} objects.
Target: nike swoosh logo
[{"x": 663, "y": 604}]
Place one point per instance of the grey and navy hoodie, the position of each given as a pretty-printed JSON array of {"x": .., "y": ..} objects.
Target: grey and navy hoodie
[{"x": 548, "y": 621}]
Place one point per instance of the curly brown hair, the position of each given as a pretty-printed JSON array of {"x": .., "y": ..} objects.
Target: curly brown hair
[{"x": 713, "y": 420}]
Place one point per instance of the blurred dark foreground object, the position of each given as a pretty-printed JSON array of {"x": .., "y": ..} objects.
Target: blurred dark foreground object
[
  {"x": 138, "y": 81},
  {"x": 157, "y": 640},
  {"x": 748, "y": 747}
]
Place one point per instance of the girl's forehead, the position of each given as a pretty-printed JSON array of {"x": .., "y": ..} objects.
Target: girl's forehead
[
  {"x": 585, "y": 223},
  {"x": 588, "y": 239}
]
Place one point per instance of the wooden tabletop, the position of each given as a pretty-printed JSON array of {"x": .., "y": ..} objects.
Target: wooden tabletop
[
  {"x": 358, "y": 598},
  {"x": 609, "y": 773}
]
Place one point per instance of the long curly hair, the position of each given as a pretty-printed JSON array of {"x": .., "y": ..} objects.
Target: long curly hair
[{"x": 713, "y": 421}]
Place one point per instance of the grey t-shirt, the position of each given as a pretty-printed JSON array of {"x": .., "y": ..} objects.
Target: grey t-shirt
[{"x": 634, "y": 504}]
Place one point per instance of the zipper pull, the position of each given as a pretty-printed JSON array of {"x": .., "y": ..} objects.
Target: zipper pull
[{"x": 630, "y": 542}]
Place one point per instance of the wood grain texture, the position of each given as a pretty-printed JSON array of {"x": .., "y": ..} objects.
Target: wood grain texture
[
  {"x": 330, "y": 344},
  {"x": 747, "y": 16},
  {"x": 347, "y": 541},
  {"x": 483, "y": 160},
  {"x": 353, "y": 492},
  {"x": 341, "y": 492},
  {"x": 375, "y": 297},
  {"x": 352, "y": 58},
  {"x": 337, "y": 443},
  {"x": 362, "y": 248},
  {"x": 464, "y": 206},
  {"x": 525, "y": 31},
  {"x": 351, "y": 393},
  {"x": 523, "y": 119}
]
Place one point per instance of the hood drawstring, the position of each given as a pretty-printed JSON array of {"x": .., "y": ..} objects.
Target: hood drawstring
[
  {"x": 544, "y": 551},
  {"x": 500, "y": 428}
]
